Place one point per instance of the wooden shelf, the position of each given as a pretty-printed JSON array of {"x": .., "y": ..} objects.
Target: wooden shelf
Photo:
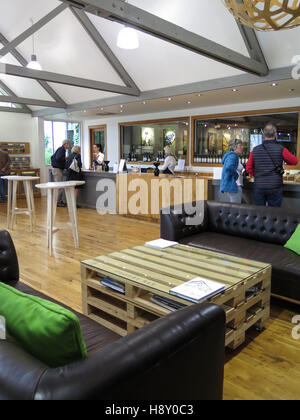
[{"x": 12, "y": 148}]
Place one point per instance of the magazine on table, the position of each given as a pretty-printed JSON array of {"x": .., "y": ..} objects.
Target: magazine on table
[
  {"x": 197, "y": 289},
  {"x": 113, "y": 285},
  {"x": 166, "y": 303},
  {"x": 161, "y": 244}
]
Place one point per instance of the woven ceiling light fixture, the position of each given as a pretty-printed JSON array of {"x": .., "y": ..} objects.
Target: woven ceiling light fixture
[{"x": 266, "y": 15}]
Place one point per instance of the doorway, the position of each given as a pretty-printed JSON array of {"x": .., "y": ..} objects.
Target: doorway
[{"x": 98, "y": 136}]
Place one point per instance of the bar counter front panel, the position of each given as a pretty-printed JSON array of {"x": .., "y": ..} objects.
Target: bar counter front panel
[{"x": 89, "y": 195}]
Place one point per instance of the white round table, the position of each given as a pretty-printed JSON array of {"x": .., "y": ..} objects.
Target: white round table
[
  {"x": 52, "y": 189},
  {"x": 12, "y": 210}
]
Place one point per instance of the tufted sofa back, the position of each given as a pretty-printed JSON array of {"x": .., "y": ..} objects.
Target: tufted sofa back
[{"x": 266, "y": 224}]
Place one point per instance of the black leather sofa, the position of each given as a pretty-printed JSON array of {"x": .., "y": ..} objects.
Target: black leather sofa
[
  {"x": 178, "y": 357},
  {"x": 247, "y": 231}
]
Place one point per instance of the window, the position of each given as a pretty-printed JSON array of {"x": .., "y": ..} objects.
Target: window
[
  {"x": 212, "y": 136},
  {"x": 146, "y": 141},
  {"x": 56, "y": 132}
]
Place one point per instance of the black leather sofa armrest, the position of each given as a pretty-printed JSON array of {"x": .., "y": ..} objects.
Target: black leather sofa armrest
[
  {"x": 9, "y": 266},
  {"x": 178, "y": 357},
  {"x": 175, "y": 227},
  {"x": 19, "y": 372}
]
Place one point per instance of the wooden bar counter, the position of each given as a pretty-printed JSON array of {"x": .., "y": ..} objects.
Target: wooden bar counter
[{"x": 142, "y": 195}]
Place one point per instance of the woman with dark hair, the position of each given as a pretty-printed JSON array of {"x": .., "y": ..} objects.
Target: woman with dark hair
[
  {"x": 74, "y": 167},
  {"x": 98, "y": 156}
]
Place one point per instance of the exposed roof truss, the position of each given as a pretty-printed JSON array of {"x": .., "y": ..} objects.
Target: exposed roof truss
[
  {"x": 119, "y": 11},
  {"x": 125, "y": 13}
]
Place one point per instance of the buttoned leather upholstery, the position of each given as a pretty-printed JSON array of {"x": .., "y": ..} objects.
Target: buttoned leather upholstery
[{"x": 245, "y": 231}]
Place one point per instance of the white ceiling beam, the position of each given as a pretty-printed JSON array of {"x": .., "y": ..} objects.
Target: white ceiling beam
[{"x": 119, "y": 11}]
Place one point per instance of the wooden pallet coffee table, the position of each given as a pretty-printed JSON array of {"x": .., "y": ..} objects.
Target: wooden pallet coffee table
[{"x": 145, "y": 272}]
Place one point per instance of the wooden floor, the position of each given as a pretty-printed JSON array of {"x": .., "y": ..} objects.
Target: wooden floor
[{"x": 266, "y": 367}]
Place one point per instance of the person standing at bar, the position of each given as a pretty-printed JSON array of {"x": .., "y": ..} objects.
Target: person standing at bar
[
  {"x": 58, "y": 161},
  {"x": 232, "y": 192},
  {"x": 266, "y": 165},
  {"x": 74, "y": 167},
  {"x": 98, "y": 156},
  {"x": 4, "y": 171},
  {"x": 170, "y": 162}
]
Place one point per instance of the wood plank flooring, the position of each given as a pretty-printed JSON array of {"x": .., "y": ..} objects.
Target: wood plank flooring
[{"x": 266, "y": 367}]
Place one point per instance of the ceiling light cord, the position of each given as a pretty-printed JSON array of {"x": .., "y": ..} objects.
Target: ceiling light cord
[{"x": 33, "y": 46}]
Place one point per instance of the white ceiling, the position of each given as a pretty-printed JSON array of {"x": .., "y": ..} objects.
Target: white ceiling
[{"x": 62, "y": 46}]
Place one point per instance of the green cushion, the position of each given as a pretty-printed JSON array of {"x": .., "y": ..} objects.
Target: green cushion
[
  {"x": 294, "y": 242},
  {"x": 47, "y": 331}
]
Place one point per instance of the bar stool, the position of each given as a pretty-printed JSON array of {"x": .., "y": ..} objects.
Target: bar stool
[
  {"x": 12, "y": 209},
  {"x": 52, "y": 189}
]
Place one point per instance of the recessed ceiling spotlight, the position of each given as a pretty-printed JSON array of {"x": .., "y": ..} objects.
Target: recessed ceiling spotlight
[
  {"x": 169, "y": 99},
  {"x": 274, "y": 84},
  {"x": 189, "y": 102}
]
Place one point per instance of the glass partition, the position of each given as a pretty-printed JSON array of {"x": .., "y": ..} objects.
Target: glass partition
[
  {"x": 212, "y": 136},
  {"x": 145, "y": 141}
]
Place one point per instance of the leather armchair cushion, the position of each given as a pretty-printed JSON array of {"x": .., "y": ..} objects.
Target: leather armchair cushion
[{"x": 285, "y": 263}]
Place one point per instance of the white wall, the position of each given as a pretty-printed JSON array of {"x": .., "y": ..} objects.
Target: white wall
[
  {"x": 113, "y": 128},
  {"x": 21, "y": 128}
]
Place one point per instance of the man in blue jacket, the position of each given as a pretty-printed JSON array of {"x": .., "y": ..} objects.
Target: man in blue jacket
[{"x": 231, "y": 191}]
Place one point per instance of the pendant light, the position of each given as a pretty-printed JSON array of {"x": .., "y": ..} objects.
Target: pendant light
[
  {"x": 33, "y": 64},
  {"x": 128, "y": 38}
]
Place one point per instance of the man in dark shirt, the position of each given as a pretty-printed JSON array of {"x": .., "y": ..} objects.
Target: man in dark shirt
[
  {"x": 4, "y": 170},
  {"x": 58, "y": 161},
  {"x": 266, "y": 165}
]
